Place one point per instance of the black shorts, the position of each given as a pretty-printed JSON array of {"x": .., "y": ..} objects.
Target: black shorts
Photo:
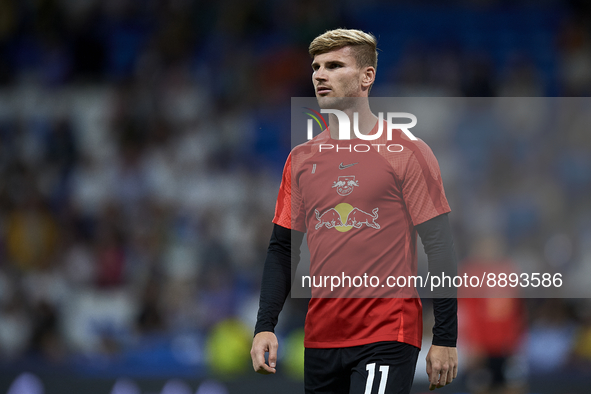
[{"x": 375, "y": 368}]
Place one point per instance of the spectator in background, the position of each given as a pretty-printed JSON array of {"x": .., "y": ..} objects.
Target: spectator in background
[
  {"x": 31, "y": 232},
  {"x": 492, "y": 327},
  {"x": 551, "y": 337}
]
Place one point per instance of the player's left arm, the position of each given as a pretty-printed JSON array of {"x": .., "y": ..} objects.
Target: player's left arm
[{"x": 442, "y": 359}]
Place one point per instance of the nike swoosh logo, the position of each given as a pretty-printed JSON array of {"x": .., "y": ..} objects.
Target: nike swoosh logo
[{"x": 342, "y": 167}]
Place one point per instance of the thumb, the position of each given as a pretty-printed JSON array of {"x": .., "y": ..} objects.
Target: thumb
[{"x": 273, "y": 354}]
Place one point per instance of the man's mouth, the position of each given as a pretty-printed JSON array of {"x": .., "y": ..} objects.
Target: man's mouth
[{"x": 322, "y": 90}]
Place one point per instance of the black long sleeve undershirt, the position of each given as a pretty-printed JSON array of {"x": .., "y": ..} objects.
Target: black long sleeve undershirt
[
  {"x": 437, "y": 240},
  {"x": 276, "y": 283},
  {"x": 439, "y": 246}
]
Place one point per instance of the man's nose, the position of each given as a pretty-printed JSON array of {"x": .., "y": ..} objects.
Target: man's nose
[{"x": 320, "y": 74}]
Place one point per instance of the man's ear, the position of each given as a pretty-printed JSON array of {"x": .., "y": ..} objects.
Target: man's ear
[{"x": 368, "y": 77}]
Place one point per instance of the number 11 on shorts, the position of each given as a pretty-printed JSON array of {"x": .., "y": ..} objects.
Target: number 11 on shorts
[{"x": 371, "y": 372}]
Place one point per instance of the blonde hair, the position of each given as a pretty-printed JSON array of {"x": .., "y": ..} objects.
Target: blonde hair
[{"x": 364, "y": 45}]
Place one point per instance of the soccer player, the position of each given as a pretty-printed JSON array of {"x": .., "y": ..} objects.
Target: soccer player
[{"x": 365, "y": 208}]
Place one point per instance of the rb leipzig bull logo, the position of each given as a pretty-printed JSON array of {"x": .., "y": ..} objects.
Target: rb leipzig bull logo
[
  {"x": 344, "y": 217},
  {"x": 345, "y": 185}
]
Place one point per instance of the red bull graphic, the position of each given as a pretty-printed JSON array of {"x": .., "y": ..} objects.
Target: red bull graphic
[
  {"x": 344, "y": 217},
  {"x": 345, "y": 185},
  {"x": 330, "y": 219},
  {"x": 358, "y": 218}
]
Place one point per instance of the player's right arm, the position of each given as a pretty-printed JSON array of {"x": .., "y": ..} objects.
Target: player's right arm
[
  {"x": 275, "y": 287},
  {"x": 276, "y": 282}
]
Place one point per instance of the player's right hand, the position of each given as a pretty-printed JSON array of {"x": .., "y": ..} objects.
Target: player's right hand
[{"x": 264, "y": 342}]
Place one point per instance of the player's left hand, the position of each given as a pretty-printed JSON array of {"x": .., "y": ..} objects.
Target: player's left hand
[
  {"x": 442, "y": 366},
  {"x": 263, "y": 342}
]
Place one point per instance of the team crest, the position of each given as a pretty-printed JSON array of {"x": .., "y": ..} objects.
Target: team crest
[{"x": 345, "y": 184}]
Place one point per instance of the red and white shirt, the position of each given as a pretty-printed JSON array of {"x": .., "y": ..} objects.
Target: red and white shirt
[{"x": 358, "y": 202}]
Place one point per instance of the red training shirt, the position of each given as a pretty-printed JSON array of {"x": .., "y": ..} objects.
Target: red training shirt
[{"x": 359, "y": 202}]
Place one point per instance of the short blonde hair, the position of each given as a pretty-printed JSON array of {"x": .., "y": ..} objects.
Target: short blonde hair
[{"x": 364, "y": 45}]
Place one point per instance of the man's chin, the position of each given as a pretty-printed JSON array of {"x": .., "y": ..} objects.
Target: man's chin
[{"x": 331, "y": 102}]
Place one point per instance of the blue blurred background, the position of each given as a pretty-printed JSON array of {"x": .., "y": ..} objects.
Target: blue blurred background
[{"x": 141, "y": 149}]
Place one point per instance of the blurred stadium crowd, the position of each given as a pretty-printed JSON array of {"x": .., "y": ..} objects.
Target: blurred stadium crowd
[{"x": 142, "y": 143}]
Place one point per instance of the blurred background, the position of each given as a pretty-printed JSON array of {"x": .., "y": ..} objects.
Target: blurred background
[{"x": 141, "y": 150}]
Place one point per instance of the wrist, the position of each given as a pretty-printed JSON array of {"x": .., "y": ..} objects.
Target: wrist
[{"x": 444, "y": 342}]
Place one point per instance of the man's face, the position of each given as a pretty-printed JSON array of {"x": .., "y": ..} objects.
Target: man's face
[{"x": 337, "y": 75}]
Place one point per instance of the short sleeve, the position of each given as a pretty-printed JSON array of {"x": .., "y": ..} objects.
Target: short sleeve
[
  {"x": 422, "y": 186},
  {"x": 289, "y": 212}
]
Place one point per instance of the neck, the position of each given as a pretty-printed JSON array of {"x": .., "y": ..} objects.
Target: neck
[{"x": 366, "y": 119}]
